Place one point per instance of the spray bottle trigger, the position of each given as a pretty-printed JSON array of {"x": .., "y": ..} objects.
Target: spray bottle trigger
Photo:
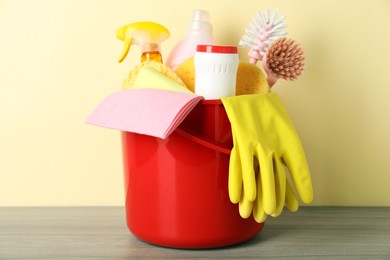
[{"x": 126, "y": 48}]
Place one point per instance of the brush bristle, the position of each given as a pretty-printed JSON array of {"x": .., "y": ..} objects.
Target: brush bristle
[
  {"x": 262, "y": 31},
  {"x": 285, "y": 59}
]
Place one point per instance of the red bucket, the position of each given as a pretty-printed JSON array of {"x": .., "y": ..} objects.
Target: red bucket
[{"x": 177, "y": 188}]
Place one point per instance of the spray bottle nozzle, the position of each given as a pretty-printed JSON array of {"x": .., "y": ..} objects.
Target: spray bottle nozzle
[{"x": 148, "y": 35}]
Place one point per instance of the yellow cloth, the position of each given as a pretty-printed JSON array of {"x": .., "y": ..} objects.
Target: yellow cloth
[
  {"x": 264, "y": 140},
  {"x": 148, "y": 77},
  {"x": 159, "y": 67}
]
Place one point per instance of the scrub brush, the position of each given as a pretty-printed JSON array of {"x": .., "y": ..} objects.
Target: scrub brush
[
  {"x": 284, "y": 59},
  {"x": 263, "y": 30}
]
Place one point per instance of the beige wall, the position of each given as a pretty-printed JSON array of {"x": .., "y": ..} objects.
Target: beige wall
[{"x": 58, "y": 60}]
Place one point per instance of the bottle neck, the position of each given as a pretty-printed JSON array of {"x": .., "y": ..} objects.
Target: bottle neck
[
  {"x": 201, "y": 27},
  {"x": 151, "y": 56}
]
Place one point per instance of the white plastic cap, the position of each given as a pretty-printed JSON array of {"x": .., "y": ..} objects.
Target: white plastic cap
[{"x": 201, "y": 21}]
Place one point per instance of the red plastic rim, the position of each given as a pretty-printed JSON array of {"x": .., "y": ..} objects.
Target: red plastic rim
[
  {"x": 216, "y": 49},
  {"x": 210, "y": 102}
]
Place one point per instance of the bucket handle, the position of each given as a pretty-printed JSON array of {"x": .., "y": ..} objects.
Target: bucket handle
[{"x": 205, "y": 142}]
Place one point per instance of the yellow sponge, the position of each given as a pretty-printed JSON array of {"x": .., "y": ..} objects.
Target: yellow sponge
[
  {"x": 250, "y": 78},
  {"x": 164, "y": 70},
  {"x": 186, "y": 72}
]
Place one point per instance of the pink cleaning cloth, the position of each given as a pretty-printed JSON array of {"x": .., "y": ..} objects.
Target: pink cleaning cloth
[{"x": 153, "y": 112}]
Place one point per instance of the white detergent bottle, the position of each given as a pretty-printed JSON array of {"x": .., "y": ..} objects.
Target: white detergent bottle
[{"x": 200, "y": 32}]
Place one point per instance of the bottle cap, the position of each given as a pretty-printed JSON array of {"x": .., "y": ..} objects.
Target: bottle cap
[
  {"x": 216, "y": 49},
  {"x": 201, "y": 21}
]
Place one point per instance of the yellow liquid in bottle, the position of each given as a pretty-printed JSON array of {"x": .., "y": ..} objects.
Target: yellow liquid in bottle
[{"x": 151, "y": 56}]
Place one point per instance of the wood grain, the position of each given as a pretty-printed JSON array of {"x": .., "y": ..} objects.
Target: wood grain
[{"x": 101, "y": 233}]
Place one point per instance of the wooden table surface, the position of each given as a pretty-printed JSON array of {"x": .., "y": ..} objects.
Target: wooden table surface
[{"x": 101, "y": 233}]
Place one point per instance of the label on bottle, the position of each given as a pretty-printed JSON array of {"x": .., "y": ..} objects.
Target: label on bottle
[{"x": 216, "y": 71}]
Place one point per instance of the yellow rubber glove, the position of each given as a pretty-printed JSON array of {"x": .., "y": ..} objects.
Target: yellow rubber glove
[
  {"x": 284, "y": 196},
  {"x": 263, "y": 132}
]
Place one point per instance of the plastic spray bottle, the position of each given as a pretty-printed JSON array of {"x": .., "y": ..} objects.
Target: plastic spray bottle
[
  {"x": 148, "y": 35},
  {"x": 200, "y": 32}
]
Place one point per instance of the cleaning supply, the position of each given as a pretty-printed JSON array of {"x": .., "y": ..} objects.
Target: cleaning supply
[
  {"x": 262, "y": 129},
  {"x": 176, "y": 188},
  {"x": 149, "y": 77},
  {"x": 200, "y": 32},
  {"x": 153, "y": 112},
  {"x": 284, "y": 59},
  {"x": 148, "y": 35},
  {"x": 284, "y": 196},
  {"x": 161, "y": 68},
  {"x": 216, "y": 70},
  {"x": 250, "y": 78},
  {"x": 263, "y": 30}
]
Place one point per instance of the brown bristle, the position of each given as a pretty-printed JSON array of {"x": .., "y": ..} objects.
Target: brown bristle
[{"x": 285, "y": 59}]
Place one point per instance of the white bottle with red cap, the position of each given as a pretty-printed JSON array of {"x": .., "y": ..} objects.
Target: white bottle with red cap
[{"x": 216, "y": 71}]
